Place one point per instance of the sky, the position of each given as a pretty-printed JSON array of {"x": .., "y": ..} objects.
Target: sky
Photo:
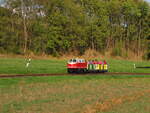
[
  {"x": 148, "y": 0},
  {"x": 1, "y": 1}
]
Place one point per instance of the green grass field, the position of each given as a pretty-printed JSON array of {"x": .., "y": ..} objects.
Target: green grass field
[
  {"x": 17, "y": 66},
  {"x": 75, "y": 94}
]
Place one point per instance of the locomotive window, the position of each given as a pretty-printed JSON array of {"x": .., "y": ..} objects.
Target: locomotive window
[
  {"x": 74, "y": 60},
  {"x": 81, "y": 60},
  {"x": 70, "y": 60},
  {"x": 77, "y": 60}
]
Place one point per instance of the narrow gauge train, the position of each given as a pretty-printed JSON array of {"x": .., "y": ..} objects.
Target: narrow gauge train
[{"x": 83, "y": 66}]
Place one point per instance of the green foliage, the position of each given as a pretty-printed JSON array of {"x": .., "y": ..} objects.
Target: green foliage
[
  {"x": 116, "y": 52},
  {"x": 74, "y": 25}
]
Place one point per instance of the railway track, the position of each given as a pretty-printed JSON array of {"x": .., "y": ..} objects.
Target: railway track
[{"x": 63, "y": 74}]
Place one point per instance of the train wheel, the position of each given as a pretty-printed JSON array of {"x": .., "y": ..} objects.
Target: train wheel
[
  {"x": 106, "y": 71},
  {"x": 70, "y": 71},
  {"x": 84, "y": 70},
  {"x": 77, "y": 70}
]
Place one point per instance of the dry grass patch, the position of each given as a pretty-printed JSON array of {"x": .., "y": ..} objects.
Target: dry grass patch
[
  {"x": 114, "y": 102},
  {"x": 70, "y": 95}
]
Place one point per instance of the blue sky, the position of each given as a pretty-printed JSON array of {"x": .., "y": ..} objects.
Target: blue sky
[
  {"x": 147, "y": 0},
  {"x": 1, "y": 1}
]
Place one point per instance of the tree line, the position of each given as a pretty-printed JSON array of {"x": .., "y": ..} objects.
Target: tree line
[{"x": 58, "y": 27}]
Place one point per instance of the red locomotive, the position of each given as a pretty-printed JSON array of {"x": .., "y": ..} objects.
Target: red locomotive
[
  {"x": 77, "y": 65},
  {"x": 83, "y": 66}
]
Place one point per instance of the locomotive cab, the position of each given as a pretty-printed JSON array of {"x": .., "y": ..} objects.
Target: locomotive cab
[{"x": 76, "y": 65}]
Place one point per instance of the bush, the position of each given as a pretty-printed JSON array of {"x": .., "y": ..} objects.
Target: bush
[
  {"x": 116, "y": 51},
  {"x": 146, "y": 56}
]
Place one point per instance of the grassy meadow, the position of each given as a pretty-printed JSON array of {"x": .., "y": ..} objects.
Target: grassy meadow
[
  {"x": 75, "y": 94},
  {"x": 18, "y": 66}
]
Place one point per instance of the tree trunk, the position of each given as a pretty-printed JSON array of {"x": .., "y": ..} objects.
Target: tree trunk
[
  {"x": 139, "y": 37},
  {"x": 24, "y": 26},
  {"x": 25, "y": 35}
]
